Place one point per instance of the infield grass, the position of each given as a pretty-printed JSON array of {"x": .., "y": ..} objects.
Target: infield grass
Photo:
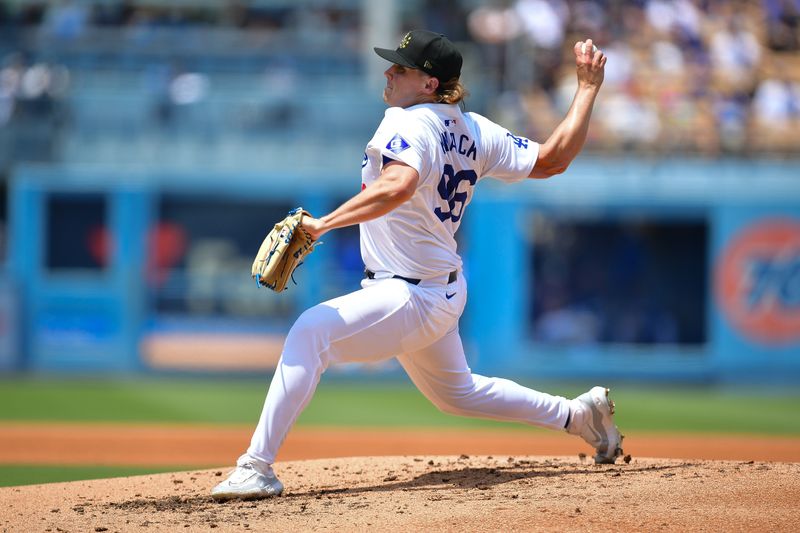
[
  {"x": 12, "y": 475},
  {"x": 381, "y": 404}
]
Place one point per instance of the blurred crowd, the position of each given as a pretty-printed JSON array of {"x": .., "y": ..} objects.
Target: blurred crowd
[
  {"x": 707, "y": 77},
  {"x": 685, "y": 76},
  {"x": 32, "y": 109},
  {"x": 70, "y": 19}
]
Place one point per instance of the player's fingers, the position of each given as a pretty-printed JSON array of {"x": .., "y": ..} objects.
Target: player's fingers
[{"x": 588, "y": 50}]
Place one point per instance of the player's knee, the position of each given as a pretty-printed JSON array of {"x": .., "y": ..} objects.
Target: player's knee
[
  {"x": 310, "y": 325},
  {"x": 308, "y": 336},
  {"x": 452, "y": 402},
  {"x": 300, "y": 338}
]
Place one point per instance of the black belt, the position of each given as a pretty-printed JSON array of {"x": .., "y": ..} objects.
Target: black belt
[{"x": 453, "y": 276}]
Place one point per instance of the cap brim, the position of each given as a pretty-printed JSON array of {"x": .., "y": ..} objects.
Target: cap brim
[{"x": 394, "y": 57}]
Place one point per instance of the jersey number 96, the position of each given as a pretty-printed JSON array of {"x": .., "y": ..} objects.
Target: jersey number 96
[{"x": 448, "y": 187}]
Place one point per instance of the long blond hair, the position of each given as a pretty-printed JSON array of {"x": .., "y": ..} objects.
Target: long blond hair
[{"x": 451, "y": 92}]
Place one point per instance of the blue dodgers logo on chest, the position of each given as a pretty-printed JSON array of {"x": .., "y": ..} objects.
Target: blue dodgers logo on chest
[{"x": 397, "y": 144}]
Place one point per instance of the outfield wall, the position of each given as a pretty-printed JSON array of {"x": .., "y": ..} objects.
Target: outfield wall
[{"x": 674, "y": 270}]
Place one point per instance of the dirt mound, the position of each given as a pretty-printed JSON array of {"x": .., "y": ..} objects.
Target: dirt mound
[{"x": 432, "y": 493}]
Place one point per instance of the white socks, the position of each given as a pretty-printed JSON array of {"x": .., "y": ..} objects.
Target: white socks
[
  {"x": 577, "y": 417},
  {"x": 258, "y": 465}
]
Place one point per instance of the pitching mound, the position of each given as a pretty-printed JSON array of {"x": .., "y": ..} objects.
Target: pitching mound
[{"x": 441, "y": 493}]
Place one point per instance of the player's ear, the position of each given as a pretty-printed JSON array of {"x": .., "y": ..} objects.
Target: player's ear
[{"x": 431, "y": 85}]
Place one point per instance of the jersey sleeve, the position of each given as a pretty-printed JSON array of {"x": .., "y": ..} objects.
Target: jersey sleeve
[
  {"x": 400, "y": 138},
  {"x": 509, "y": 157}
]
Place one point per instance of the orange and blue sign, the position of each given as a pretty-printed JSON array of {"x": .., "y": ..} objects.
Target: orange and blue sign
[{"x": 757, "y": 281}]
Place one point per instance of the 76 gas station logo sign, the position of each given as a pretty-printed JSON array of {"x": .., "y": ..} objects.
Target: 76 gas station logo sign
[{"x": 757, "y": 281}]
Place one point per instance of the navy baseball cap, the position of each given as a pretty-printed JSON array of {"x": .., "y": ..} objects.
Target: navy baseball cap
[{"x": 430, "y": 52}]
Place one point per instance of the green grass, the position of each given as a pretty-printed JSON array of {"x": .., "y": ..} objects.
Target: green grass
[
  {"x": 231, "y": 401},
  {"x": 12, "y": 475},
  {"x": 147, "y": 400},
  {"x": 378, "y": 404}
]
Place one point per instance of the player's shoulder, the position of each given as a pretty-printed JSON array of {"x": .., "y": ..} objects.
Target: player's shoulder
[
  {"x": 480, "y": 121},
  {"x": 410, "y": 114},
  {"x": 397, "y": 116},
  {"x": 486, "y": 129},
  {"x": 415, "y": 120}
]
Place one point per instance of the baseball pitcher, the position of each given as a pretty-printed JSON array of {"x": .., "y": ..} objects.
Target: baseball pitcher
[{"x": 418, "y": 176}]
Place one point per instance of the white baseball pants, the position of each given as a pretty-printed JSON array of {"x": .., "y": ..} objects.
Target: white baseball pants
[{"x": 387, "y": 318}]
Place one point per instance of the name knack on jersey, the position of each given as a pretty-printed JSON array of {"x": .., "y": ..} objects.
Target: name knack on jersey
[{"x": 449, "y": 143}]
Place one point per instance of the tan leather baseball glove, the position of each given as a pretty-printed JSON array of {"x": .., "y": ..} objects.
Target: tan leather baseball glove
[{"x": 282, "y": 251}]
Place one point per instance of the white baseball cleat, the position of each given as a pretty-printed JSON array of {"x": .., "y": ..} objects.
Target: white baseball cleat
[
  {"x": 248, "y": 481},
  {"x": 592, "y": 417}
]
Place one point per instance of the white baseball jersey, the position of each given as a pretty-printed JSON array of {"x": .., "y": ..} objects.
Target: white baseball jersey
[
  {"x": 418, "y": 324},
  {"x": 451, "y": 151}
]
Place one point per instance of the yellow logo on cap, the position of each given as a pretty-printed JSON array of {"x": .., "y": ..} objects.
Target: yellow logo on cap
[
  {"x": 406, "y": 40},
  {"x": 427, "y": 64}
]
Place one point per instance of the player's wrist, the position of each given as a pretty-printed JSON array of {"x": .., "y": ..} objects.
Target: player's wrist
[
  {"x": 324, "y": 225},
  {"x": 590, "y": 86}
]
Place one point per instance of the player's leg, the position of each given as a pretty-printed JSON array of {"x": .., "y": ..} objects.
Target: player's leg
[
  {"x": 369, "y": 325},
  {"x": 441, "y": 373}
]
